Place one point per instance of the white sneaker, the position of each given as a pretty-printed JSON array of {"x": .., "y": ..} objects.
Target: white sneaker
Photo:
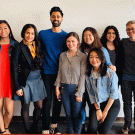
[{"x": 45, "y": 132}]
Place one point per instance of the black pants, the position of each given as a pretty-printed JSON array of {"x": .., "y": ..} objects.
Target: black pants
[
  {"x": 126, "y": 90},
  {"x": 49, "y": 80},
  {"x": 103, "y": 128}
]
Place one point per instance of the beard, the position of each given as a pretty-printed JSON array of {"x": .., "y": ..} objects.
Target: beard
[{"x": 56, "y": 24}]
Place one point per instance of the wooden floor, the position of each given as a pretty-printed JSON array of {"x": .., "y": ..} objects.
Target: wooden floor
[{"x": 16, "y": 126}]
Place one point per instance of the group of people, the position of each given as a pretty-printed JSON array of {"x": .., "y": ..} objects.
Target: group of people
[{"x": 54, "y": 64}]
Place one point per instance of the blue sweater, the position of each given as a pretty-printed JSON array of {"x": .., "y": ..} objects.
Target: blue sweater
[{"x": 53, "y": 44}]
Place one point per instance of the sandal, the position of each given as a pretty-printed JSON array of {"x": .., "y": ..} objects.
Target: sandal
[
  {"x": 2, "y": 132},
  {"x": 8, "y": 130}
]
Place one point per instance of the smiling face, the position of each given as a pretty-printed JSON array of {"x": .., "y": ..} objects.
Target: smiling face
[
  {"x": 88, "y": 37},
  {"x": 72, "y": 43},
  {"x": 130, "y": 29},
  {"x": 94, "y": 60},
  {"x": 4, "y": 30},
  {"x": 56, "y": 19},
  {"x": 29, "y": 35},
  {"x": 111, "y": 35}
]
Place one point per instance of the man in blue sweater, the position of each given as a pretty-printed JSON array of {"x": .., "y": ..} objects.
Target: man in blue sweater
[{"x": 53, "y": 42}]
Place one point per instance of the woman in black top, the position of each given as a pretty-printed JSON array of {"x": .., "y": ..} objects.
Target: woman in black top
[
  {"x": 111, "y": 41},
  {"x": 28, "y": 84}
]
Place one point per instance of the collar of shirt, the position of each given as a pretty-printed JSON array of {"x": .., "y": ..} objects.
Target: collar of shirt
[
  {"x": 85, "y": 52},
  {"x": 77, "y": 54},
  {"x": 92, "y": 76}
]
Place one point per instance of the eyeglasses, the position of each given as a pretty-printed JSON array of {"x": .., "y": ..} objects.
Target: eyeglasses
[{"x": 130, "y": 29}]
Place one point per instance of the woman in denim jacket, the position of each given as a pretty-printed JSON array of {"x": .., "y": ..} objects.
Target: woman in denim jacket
[
  {"x": 7, "y": 43},
  {"x": 102, "y": 88}
]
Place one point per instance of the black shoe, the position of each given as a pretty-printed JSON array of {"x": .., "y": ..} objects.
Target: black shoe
[
  {"x": 83, "y": 130},
  {"x": 28, "y": 132},
  {"x": 34, "y": 129}
]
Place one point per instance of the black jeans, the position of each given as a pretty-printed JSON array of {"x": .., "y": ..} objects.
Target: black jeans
[
  {"x": 103, "y": 128},
  {"x": 49, "y": 80},
  {"x": 126, "y": 89}
]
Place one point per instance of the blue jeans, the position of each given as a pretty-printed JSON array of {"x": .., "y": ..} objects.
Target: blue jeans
[{"x": 72, "y": 108}]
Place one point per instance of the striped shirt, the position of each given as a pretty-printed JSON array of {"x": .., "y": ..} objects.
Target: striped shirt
[{"x": 72, "y": 71}]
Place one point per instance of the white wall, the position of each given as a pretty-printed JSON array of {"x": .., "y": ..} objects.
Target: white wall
[{"x": 78, "y": 14}]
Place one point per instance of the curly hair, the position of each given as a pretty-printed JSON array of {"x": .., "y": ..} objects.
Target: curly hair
[
  {"x": 96, "y": 42},
  {"x": 104, "y": 39}
]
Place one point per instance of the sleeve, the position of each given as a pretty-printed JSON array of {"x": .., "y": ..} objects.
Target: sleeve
[
  {"x": 81, "y": 82},
  {"x": 120, "y": 61},
  {"x": 107, "y": 57},
  {"x": 90, "y": 91},
  {"x": 58, "y": 79},
  {"x": 113, "y": 85},
  {"x": 41, "y": 42},
  {"x": 39, "y": 35},
  {"x": 15, "y": 65}
]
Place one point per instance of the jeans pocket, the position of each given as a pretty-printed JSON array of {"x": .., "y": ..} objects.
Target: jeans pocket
[{"x": 62, "y": 87}]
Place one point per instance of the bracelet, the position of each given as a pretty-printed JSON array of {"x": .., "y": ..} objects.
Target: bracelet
[{"x": 98, "y": 109}]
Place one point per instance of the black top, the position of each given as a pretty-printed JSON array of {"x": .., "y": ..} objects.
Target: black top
[
  {"x": 115, "y": 57},
  {"x": 23, "y": 58},
  {"x": 112, "y": 54},
  {"x": 128, "y": 56}
]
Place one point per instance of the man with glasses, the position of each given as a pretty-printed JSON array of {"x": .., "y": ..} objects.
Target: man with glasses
[{"x": 128, "y": 73}]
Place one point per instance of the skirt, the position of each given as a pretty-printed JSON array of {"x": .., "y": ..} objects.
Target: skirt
[{"x": 34, "y": 89}]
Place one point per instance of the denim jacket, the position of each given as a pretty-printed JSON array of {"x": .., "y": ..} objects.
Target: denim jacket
[
  {"x": 107, "y": 87},
  {"x": 12, "y": 43}
]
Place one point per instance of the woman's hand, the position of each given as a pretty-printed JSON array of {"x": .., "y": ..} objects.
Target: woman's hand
[
  {"x": 112, "y": 67},
  {"x": 57, "y": 92},
  {"x": 19, "y": 92},
  {"x": 104, "y": 114},
  {"x": 78, "y": 99},
  {"x": 99, "y": 114}
]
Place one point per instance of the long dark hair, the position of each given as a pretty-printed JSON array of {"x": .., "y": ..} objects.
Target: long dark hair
[
  {"x": 103, "y": 66},
  {"x": 116, "y": 41},
  {"x": 96, "y": 42},
  {"x": 39, "y": 53},
  {"x": 10, "y": 34}
]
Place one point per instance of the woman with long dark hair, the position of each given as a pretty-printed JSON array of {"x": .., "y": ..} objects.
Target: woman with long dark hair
[
  {"x": 90, "y": 39},
  {"x": 28, "y": 83},
  {"x": 102, "y": 88},
  {"x": 111, "y": 41},
  {"x": 7, "y": 43}
]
